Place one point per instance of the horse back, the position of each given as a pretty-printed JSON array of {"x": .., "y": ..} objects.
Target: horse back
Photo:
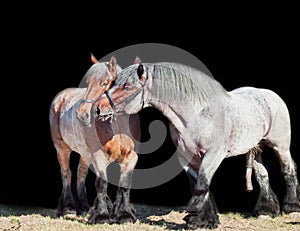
[{"x": 265, "y": 101}]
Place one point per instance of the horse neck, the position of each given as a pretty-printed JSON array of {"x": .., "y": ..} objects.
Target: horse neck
[
  {"x": 177, "y": 114},
  {"x": 183, "y": 114},
  {"x": 182, "y": 105}
]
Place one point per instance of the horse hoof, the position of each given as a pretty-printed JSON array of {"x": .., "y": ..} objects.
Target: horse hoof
[
  {"x": 65, "y": 213},
  {"x": 196, "y": 222},
  {"x": 83, "y": 212},
  {"x": 289, "y": 208},
  {"x": 83, "y": 207},
  {"x": 94, "y": 217},
  {"x": 126, "y": 219},
  {"x": 100, "y": 220}
]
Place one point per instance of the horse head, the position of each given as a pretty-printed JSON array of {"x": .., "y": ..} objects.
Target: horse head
[
  {"x": 98, "y": 79},
  {"x": 127, "y": 94}
]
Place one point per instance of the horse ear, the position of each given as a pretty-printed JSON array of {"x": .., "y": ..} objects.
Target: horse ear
[
  {"x": 93, "y": 59},
  {"x": 137, "y": 60},
  {"x": 112, "y": 66}
]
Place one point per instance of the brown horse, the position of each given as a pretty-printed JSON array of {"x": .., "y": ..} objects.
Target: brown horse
[{"x": 99, "y": 143}]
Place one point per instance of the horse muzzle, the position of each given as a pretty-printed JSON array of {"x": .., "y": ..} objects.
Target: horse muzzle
[
  {"x": 103, "y": 115},
  {"x": 85, "y": 119}
]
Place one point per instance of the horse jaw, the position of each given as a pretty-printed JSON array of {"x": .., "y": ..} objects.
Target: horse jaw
[{"x": 135, "y": 105}]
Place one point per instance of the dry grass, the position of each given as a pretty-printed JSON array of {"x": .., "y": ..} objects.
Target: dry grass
[{"x": 150, "y": 218}]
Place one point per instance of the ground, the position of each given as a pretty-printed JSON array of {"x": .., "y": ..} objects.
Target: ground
[{"x": 152, "y": 218}]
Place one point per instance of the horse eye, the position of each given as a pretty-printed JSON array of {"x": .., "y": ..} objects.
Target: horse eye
[
  {"x": 127, "y": 88},
  {"x": 140, "y": 70},
  {"x": 104, "y": 84},
  {"x": 113, "y": 83}
]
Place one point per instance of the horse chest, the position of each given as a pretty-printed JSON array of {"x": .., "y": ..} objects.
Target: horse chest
[{"x": 119, "y": 147}]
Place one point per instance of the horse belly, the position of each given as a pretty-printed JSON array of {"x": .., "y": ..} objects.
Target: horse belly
[{"x": 241, "y": 143}]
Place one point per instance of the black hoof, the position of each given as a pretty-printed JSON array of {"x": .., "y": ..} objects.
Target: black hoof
[
  {"x": 272, "y": 211},
  {"x": 194, "y": 221},
  {"x": 126, "y": 217},
  {"x": 124, "y": 214},
  {"x": 65, "y": 212},
  {"x": 96, "y": 217},
  {"x": 267, "y": 206},
  {"x": 202, "y": 213},
  {"x": 83, "y": 209},
  {"x": 290, "y": 207}
]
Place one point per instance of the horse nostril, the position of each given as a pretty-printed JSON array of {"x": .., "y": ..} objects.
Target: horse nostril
[
  {"x": 86, "y": 116},
  {"x": 79, "y": 115},
  {"x": 97, "y": 111}
]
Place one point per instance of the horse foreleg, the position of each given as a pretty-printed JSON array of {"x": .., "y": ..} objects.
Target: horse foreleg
[
  {"x": 202, "y": 210},
  {"x": 267, "y": 203},
  {"x": 123, "y": 210},
  {"x": 100, "y": 212},
  {"x": 192, "y": 177},
  {"x": 80, "y": 195}
]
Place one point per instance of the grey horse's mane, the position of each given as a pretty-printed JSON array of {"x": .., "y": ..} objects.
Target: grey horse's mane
[{"x": 172, "y": 81}]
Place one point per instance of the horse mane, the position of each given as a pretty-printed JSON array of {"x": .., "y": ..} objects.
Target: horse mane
[{"x": 173, "y": 80}]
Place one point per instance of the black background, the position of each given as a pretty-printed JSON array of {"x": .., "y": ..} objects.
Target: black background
[{"x": 242, "y": 45}]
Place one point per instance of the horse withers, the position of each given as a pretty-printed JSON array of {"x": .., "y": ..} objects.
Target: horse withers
[
  {"x": 210, "y": 124},
  {"x": 99, "y": 143}
]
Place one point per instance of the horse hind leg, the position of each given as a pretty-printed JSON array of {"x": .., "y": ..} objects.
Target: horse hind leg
[
  {"x": 291, "y": 201},
  {"x": 279, "y": 139},
  {"x": 66, "y": 202},
  {"x": 267, "y": 203},
  {"x": 82, "y": 204}
]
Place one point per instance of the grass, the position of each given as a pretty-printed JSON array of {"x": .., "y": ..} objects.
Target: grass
[{"x": 152, "y": 218}]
